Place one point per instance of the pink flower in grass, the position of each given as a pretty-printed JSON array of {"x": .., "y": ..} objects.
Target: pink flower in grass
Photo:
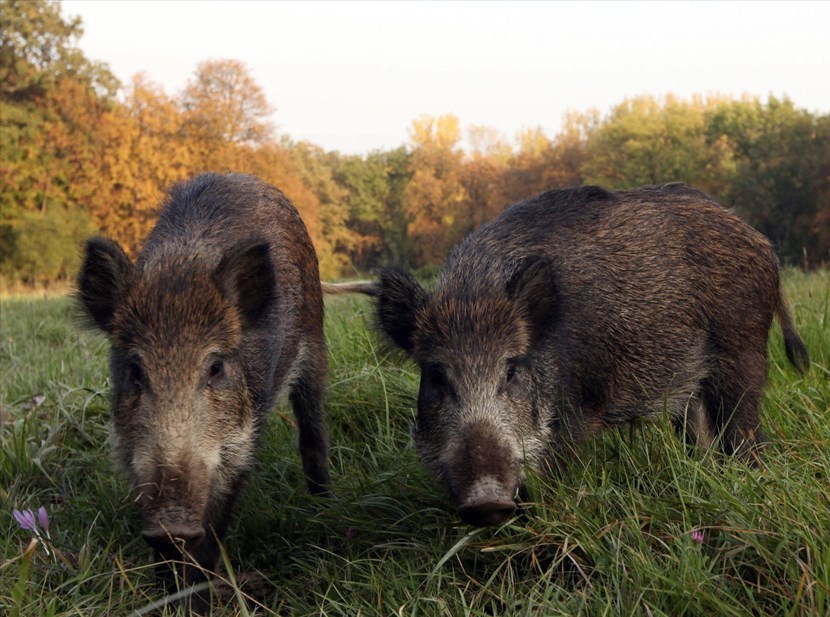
[
  {"x": 29, "y": 521},
  {"x": 38, "y": 524},
  {"x": 43, "y": 518},
  {"x": 697, "y": 536},
  {"x": 26, "y": 519}
]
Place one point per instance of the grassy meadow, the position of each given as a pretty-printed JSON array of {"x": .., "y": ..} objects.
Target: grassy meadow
[{"x": 614, "y": 538}]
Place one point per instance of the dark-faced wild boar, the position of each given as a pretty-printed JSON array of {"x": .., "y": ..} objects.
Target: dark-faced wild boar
[
  {"x": 581, "y": 309},
  {"x": 220, "y": 313}
]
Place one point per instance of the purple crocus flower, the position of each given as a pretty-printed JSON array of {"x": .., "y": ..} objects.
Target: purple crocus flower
[
  {"x": 697, "y": 536},
  {"x": 26, "y": 519},
  {"x": 43, "y": 518}
]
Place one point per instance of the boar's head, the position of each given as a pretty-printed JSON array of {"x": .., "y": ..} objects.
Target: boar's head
[
  {"x": 478, "y": 419},
  {"x": 183, "y": 422}
]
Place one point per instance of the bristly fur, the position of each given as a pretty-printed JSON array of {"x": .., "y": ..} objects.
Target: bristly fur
[
  {"x": 580, "y": 309},
  {"x": 220, "y": 314}
]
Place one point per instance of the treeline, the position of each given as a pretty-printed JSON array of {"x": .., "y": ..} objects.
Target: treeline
[{"x": 81, "y": 154}]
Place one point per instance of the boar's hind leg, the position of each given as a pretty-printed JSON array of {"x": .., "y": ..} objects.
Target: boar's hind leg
[
  {"x": 695, "y": 426},
  {"x": 307, "y": 400},
  {"x": 733, "y": 399}
]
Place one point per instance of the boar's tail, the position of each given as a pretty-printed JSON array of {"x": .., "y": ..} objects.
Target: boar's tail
[
  {"x": 362, "y": 287},
  {"x": 796, "y": 350}
]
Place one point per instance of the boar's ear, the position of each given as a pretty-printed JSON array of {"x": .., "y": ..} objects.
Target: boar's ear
[
  {"x": 399, "y": 297},
  {"x": 102, "y": 280},
  {"x": 533, "y": 288},
  {"x": 246, "y": 277}
]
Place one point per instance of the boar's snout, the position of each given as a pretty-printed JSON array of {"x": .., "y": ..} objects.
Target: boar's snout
[
  {"x": 168, "y": 536},
  {"x": 483, "y": 474},
  {"x": 174, "y": 499}
]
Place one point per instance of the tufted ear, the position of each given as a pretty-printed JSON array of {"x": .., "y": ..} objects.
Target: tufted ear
[
  {"x": 102, "y": 280},
  {"x": 399, "y": 296},
  {"x": 246, "y": 277},
  {"x": 533, "y": 288}
]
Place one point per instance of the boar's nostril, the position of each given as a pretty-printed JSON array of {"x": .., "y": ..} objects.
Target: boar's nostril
[
  {"x": 487, "y": 510},
  {"x": 181, "y": 537}
]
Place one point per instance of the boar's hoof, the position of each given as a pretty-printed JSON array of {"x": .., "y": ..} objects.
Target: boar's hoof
[
  {"x": 183, "y": 538},
  {"x": 487, "y": 510}
]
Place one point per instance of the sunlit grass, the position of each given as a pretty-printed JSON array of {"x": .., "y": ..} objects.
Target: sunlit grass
[{"x": 613, "y": 537}]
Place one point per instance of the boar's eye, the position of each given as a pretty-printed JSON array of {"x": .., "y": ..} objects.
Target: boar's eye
[
  {"x": 513, "y": 365},
  {"x": 135, "y": 374},
  {"x": 216, "y": 369},
  {"x": 434, "y": 386},
  {"x": 435, "y": 379}
]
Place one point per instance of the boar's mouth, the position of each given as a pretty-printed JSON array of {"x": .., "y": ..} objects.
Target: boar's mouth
[
  {"x": 173, "y": 535},
  {"x": 487, "y": 510},
  {"x": 488, "y": 502}
]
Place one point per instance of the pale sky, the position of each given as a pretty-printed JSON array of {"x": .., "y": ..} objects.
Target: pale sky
[{"x": 351, "y": 76}]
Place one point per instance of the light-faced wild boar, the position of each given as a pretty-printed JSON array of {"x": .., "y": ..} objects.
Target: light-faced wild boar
[
  {"x": 221, "y": 312},
  {"x": 581, "y": 309}
]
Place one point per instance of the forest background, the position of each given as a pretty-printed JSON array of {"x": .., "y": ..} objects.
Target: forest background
[{"x": 81, "y": 153}]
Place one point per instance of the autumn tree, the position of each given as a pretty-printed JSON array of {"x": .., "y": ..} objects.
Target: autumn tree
[
  {"x": 571, "y": 148},
  {"x": 75, "y": 160},
  {"x": 38, "y": 55},
  {"x": 142, "y": 154},
  {"x": 275, "y": 164},
  {"x": 483, "y": 178},
  {"x": 48, "y": 91},
  {"x": 435, "y": 190},
  {"x": 224, "y": 108},
  {"x": 820, "y": 229},
  {"x": 528, "y": 168}
]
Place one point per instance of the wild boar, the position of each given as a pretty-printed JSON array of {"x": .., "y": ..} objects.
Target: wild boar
[
  {"x": 581, "y": 309},
  {"x": 220, "y": 313}
]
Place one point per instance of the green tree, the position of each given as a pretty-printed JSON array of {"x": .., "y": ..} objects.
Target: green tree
[
  {"x": 374, "y": 187},
  {"x": 314, "y": 166},
  {"x": 778, "y": 180},
  {"x": 44, "y": 247},
  {"x": 38, "y": 47},
  {"x": 647, "y": 140}
]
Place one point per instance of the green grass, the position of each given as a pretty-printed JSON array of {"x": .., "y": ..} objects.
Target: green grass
[{"x": 613, "y": 538}]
